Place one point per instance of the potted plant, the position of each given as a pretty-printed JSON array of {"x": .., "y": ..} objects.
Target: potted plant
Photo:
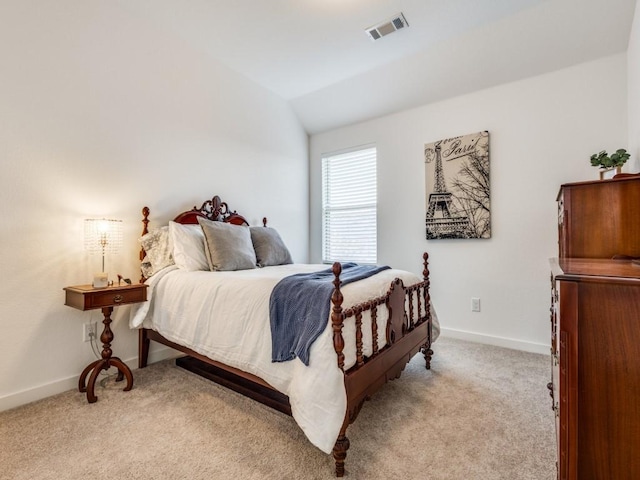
[{"x": 608, "y": 162}]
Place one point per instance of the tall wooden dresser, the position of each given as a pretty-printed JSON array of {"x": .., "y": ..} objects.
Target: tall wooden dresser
[{"x": 595, "y": 331}]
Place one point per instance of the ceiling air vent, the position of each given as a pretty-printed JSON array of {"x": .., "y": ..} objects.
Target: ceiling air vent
[{"x": 385, "y": 28}]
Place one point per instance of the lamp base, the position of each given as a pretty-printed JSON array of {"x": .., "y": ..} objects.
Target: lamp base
[{"x": 100, "y": 280}]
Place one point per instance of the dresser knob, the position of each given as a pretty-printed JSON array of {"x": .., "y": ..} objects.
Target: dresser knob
[{"x": 118, "y": 299}]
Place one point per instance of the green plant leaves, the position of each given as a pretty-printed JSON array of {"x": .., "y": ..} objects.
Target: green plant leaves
[{"x": 603, "y": 160}]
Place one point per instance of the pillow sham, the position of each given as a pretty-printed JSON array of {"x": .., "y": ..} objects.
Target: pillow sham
[
  {"x": 269, "y": 247},
  {"x": 228, "y": 247},
  {"x": 157, "y": 246},
  {"x": 188, "y": 246}
]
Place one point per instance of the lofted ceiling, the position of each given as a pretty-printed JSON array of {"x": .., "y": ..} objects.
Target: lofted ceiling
[{"x": 316, "y": 54}]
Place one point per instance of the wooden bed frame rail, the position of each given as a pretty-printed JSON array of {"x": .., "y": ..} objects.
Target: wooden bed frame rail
[{"x": 407, "y": 332}]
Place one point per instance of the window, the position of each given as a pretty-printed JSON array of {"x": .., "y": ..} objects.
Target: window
[{"x": 349, "y": 207}]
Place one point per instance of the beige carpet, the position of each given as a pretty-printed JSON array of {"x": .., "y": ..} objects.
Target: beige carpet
[{"x": 481, "y": 413}]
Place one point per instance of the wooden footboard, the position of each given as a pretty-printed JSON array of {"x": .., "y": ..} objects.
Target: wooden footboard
[
  {"x": 399, "y": 323},
  {"x": 408, "y": 330}
]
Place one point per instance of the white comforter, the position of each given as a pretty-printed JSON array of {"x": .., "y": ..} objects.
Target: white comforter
[{"x": 221, "y": 316}]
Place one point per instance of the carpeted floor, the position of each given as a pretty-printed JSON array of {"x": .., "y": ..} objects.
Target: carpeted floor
[{"x": 482, "y": 412}]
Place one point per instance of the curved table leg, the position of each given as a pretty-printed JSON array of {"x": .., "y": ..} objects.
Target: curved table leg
[
  {"x": 103, "y": 364},
  {"x": 82, "y": 387},
  {"x": 91, "y": 384},
  {"x": 123, "y": 371}
]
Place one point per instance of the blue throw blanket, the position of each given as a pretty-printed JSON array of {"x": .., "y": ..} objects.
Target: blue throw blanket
[{"x": 299, "y": 309}]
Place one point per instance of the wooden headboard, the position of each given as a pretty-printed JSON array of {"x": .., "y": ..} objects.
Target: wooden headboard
[{"x": 214, "y": 209}]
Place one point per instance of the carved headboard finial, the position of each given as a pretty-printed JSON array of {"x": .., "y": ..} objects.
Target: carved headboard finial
[{"x": 214, "y": 209}]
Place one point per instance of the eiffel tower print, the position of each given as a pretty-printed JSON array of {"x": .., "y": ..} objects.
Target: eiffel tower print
[
  {"x": 442, "y": 220},
  {"x": 457, "y": 183}
]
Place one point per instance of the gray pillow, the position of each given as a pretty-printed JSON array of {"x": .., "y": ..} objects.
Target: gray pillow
[
  {"x": 228, "y": 247},
  {"x": 269, "y": 247}
]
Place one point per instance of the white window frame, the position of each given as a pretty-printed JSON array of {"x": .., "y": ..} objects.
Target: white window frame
[{"x": 350, "y": 205}]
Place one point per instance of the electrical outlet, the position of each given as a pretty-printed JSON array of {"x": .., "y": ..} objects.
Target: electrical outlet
[
  {"x": 89, "y": 331},
  {"x": 475, "y": 304}
]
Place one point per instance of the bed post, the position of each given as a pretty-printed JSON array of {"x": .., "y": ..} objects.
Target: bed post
[
  {"x": 143, "y": 347},
  {"x": 426, "y": 348},
  {"x": 143, "y": 339},
  {"x": 342, "y": 443},
  {"x": 145, "y": 230},
  {"x": 336, "y": 315},
  {"x": 340, "y": 448}
]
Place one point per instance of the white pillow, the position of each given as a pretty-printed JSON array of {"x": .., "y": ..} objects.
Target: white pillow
[{"x": 188, "y": 246}]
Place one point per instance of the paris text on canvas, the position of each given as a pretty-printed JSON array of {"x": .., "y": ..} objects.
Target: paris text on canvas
[{"x": 457, "y": 180}]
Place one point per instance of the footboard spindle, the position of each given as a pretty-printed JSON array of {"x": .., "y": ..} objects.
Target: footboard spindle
[
  {"x": 374, "y": 326},
  {"x": 359, "y": 355}
]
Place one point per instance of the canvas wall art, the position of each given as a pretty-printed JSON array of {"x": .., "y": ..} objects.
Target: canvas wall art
[{"x": 457, "y": 181}]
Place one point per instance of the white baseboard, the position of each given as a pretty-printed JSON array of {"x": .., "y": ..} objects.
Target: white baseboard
[
  {"x": 32, "y": 394},
  {"x": 497, "y": 341},
  {"x": 71, "y": 383}
]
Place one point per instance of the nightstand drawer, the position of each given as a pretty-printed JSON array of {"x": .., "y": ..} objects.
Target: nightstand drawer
[{"x": 87, "y": 298}]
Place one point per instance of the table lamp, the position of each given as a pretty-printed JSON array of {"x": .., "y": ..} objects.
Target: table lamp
[{"x": 102, "y": 236}]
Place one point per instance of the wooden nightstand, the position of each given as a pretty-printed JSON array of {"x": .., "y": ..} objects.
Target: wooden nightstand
[{"x": 85, "y": 297}]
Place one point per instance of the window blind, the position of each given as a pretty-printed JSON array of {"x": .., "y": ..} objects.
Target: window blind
[{"x": 349, "y": 231}]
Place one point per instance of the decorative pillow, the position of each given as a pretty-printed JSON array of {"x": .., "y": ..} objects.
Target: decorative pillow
[
  {"x": 157, "y": 246},
  {"x": 146, "y": 268},
  {"x": 269, "y": 247},
  {"x": 188, "y": 246},
  {"x": 228, "y": 247}
]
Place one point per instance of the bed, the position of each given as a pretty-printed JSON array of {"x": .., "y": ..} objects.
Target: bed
[{"x": 373, "y": 326}]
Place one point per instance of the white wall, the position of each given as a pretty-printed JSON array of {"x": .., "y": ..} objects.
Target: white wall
[
  {"x": 633, "y": 83},
  {"x": 542, "y": 132},
  {"x": 103, "y": 113}
]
